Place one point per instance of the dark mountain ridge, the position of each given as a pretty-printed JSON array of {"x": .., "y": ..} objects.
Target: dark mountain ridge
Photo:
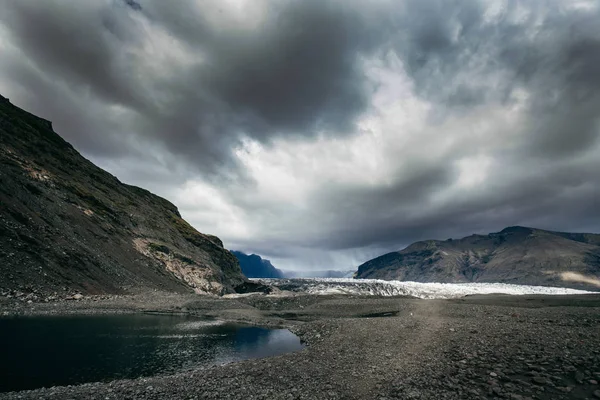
[
  {"x": 517, "y": 254},
  {"x": 67, "y": 225},
  {"x": 254, "y": 266}
]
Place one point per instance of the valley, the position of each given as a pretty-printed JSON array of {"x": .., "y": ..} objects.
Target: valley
[{"x": 513, "y": 314}]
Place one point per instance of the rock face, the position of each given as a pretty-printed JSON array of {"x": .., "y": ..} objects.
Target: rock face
[
  {"x": 516, "y": 255},
  {"x": 67, "y": 225},
  {"x": 253, "y": 266}
]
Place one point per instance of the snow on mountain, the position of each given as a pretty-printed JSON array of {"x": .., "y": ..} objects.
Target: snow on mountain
[{"x": 376, "y": 287}]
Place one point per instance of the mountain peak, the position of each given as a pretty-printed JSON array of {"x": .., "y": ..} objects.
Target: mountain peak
[
  {"x": 254, "y": 266},
  {"x": 517, "y": 229}
]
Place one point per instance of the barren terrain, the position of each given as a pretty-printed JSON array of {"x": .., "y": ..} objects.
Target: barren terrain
[{"x": 477, "y": 347}]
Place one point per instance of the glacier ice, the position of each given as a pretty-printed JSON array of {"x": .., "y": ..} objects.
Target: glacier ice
[{"x": 377, "y": 287}]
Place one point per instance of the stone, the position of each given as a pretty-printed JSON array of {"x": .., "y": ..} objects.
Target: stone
[{"x": 540, "y": 380}]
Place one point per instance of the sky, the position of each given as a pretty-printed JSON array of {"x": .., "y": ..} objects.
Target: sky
[{"x": 321, "y": 133}]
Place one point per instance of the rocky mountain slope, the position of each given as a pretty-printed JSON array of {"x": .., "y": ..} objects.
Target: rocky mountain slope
[
  {"x": 254, "y": 266},
  {"x": 67, "y": 226},
  {"x": 515, "y": 255}
]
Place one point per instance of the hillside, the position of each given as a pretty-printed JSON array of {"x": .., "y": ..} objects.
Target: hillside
[
  {"x": 68, "y": 226},
  {"x": 254, "y": 266},
  {"x": 515, "y": 255}
]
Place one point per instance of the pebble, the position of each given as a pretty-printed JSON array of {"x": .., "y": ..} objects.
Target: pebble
[{"x": 539, "y": 380}]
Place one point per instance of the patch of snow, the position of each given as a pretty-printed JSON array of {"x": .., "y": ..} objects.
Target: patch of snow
[{"x": 377, "y": 287}]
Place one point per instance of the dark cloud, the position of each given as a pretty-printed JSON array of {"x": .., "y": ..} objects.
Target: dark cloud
[
  {"x": 296, "y": 73},
  {"x": 133, "y": 4},
  {"x": 462, "y": 58},
  {"x": 175, "y": 89},
  {"x": 299, "y": 75},
  {"x": 555, "y": 197},
  {"x": 80, "y": 44}
]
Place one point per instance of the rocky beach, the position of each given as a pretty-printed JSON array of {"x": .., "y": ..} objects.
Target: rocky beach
[{"x": 475, "y": 347}]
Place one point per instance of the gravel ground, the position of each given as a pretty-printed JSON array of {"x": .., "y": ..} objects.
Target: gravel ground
[{"x": 480, "y": 347}]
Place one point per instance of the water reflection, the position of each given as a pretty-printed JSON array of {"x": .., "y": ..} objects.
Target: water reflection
[
  {"x": 253, "y": 342},
  {"x": 51, "y": 351}
]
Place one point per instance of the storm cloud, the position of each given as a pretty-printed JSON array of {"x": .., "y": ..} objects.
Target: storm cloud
[{"x": 322, "y": 133}]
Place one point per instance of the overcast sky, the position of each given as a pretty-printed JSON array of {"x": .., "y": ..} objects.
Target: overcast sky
[{"x": 320, "y": 134}]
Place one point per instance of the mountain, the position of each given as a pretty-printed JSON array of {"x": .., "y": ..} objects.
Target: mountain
[
  {"x": 67, "y": 225},
  {"x": 253, "y": 266},
  {"x": 517, "y": 255}
]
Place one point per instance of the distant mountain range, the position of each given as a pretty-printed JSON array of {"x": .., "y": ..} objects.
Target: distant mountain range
[
  {"x": 518, "y": 255},
  {"x": 254, "y": 266}
]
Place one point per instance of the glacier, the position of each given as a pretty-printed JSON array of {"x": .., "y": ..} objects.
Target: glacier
[{"x": 377, "y": 287}]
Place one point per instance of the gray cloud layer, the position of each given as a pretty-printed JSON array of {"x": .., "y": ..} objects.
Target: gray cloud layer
[{"x": 165, "y": 94}]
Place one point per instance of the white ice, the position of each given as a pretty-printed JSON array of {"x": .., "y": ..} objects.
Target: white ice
[{"x": 377, "y": 287}]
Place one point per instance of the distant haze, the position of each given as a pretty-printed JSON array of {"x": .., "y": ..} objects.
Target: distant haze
[
  {"x": 320, "y": 134},
  {"x": 319, "y": 274}
]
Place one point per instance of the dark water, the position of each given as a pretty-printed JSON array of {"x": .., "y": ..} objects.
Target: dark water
[{"x": 52, "y": 351}]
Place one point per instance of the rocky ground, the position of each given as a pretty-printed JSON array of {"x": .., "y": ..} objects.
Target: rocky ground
[{"x": 479, "y": 347}]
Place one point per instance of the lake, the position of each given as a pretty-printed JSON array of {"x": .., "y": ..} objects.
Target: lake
[{"x": 57, "y": 351}]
